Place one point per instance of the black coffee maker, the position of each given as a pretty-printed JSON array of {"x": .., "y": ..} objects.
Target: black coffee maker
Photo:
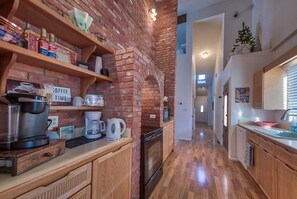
[{"x": 32, "y": 120}]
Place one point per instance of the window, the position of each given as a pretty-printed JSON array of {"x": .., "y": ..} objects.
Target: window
[
  {"x": 202, "y": 108},
  {"x": 292, "y": 87},
  {"x": 202, "y": 79}
]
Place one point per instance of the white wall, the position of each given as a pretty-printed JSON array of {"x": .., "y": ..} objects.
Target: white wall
[
  {"x": 210, "y": 112},
  {"x": 239, "y": 71},
  {"x": 231, "y": 25},
  {"x": 184, "y": 98},
  {"x": 218, "y": 91},
  {"x": 273, "y": 21}
]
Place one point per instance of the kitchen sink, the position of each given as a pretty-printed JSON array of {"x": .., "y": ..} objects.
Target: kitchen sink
[
  {"x": 290, "y": 135},
  {"x": 277, "y": 133}
]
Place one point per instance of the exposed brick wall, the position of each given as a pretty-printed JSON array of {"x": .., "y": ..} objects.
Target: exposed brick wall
[
  {"x": 125, "y": 23},
  {"x": 166, "y": 47},
  {"x": 132, "y": 72},
  {"x": 150, "y": 102}
]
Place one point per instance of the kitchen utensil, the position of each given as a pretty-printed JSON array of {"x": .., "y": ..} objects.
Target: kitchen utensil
[
  {"x": 78, "y": 101},
  {"x": 32, "y": 118},
  {"x": 9, "y": 125},
  {"x": 114, "y": 129},
  {"x": 94, "y": 100},
  {"x": 94, "y": 127}
]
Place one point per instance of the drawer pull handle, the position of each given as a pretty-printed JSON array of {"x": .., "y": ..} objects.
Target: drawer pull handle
[{"x": 48, "y": 154}]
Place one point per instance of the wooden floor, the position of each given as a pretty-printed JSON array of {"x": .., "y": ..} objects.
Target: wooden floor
[{"x": 201, "y": 169}]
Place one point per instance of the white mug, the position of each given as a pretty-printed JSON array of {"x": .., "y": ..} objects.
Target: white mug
[{"x": 78, "y": 101}]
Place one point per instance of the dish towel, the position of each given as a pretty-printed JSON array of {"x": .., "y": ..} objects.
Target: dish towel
[{"x": 249, "y": 155}]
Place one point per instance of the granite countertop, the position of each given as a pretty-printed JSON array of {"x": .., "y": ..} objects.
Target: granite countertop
[
  {"x": 70, "y": 157},
  {"x": 288, "y": 143}
]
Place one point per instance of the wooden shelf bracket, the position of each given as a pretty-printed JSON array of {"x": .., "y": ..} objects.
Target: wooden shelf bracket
[
  {"x": 85, "y": 84},
  {"x": 6, "y": 62},
  {"x": 8, "y": 8},
  {"x": 87, "y": 52}
]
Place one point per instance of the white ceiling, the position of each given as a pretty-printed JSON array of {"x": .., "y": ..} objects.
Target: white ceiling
[
  {"x": 206, "y": 37},
  {"x": 185, "y": 6}
]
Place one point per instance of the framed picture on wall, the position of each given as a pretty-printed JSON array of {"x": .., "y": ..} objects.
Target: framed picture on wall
[{"x": 242, "y": 95}]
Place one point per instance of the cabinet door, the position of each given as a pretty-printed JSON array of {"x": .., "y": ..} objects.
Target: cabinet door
[
  {"x": 266, "y": 172},
  {"x": 253, "y": 170},
  {"x": 165, "y": 142},
  {"x": 63, "y": 188},
  {"x": 286, "y": 181},
  {"x": 171, "y": 137},
  {"x": 83, "y": 194},
  {"x": 112, "y": 175}
]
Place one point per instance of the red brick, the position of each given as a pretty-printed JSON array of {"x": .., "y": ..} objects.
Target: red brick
[{"x": 18, "y": 74}]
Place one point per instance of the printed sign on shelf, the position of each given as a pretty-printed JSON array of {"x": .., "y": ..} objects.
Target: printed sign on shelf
[{"x": 61, "y": 94}]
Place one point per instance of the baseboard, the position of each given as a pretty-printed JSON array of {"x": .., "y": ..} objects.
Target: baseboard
[{"x": 233, "y": 159}]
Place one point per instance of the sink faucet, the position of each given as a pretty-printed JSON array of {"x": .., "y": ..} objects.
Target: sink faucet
[{"x": 285, "y": 115}]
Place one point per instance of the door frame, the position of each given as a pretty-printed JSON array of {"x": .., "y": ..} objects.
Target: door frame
[{"x": 226, "y": 92}]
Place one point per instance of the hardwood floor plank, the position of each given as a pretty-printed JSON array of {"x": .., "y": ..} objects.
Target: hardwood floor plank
[{"x": 200, "y": 169}]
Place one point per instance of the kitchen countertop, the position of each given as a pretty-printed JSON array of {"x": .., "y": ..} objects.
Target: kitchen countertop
[
  {"x": 168, "y": 122},
  {"x": 288, "y": 143},
  {"x": 78, "y": 155}
]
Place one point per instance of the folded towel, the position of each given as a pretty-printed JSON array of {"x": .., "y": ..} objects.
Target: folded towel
[{"x": 249, "y": 155}]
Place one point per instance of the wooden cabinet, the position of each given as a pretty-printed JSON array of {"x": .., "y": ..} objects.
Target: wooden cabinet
[
  {"x": 83, "y": 194},
  {"x": 286, "y": 180},
  {"x": 112, "y": 175},
  {"x": 168, "y": 139},
  {"x": 266, "y": 172},
  {"x": 269, "y": 89},
  {"x": 254, "y": 169},
  {"x": 73, "y": 182}
]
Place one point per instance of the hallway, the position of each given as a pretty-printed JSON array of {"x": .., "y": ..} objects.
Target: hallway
[{"x": 201, "y": 169}]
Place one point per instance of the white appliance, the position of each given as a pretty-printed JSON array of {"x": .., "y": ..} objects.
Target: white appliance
[
  {"x": 241, "y": 145},
  {"x": 93, "y": 126},
  {"x": 115, "y": 128}
]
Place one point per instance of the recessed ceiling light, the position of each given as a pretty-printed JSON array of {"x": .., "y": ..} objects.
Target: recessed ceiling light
[{"x": 204, "y": 55}]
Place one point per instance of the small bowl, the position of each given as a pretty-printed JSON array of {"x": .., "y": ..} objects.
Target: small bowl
[{"x": 266, "y": 124}]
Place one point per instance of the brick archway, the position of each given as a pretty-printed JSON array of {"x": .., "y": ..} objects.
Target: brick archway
[{"x": 130, "y": 68}]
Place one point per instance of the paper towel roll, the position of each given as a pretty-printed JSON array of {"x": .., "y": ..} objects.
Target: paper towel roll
[{"x": 98, "y": 64}]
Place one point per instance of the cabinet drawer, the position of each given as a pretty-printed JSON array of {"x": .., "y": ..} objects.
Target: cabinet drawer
[
  {"x": 63, "y": 188},
  {"x": 252, "y": 137},
  {"x": 83, "y": 194},
  {"x": 288, "y": 157},
  {"x": 266, "y": 145}
]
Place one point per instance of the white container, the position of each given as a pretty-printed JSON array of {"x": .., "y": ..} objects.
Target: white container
[{"x": 98, "y": 64}]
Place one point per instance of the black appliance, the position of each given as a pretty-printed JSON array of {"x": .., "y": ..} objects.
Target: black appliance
[
  {"x": 166, "y": 116},
  {"x": 151, "y": 159}
]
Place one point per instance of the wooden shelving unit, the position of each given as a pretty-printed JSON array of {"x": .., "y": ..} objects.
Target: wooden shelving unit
[
  {"x": 39, "y": 15},
  {"x": 76, "y": 108},
  {"x": 12, "y": 53}
]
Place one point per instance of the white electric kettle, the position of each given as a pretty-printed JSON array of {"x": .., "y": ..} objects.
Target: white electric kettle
[{"x": 114, "y": 130}]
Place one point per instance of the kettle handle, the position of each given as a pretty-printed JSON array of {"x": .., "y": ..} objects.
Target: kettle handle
[
  {"x": 124, "y": 126},
  {"x": 103, "y": 126}
]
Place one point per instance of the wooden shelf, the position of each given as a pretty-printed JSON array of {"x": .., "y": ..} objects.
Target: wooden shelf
[
  {"x": 38, "y": 14},
  {"x": 76, "y": 108},
  {"x": 33, "y": 58}
]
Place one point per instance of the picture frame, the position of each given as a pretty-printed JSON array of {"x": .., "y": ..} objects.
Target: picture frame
[{"x": 242, "y": 95}]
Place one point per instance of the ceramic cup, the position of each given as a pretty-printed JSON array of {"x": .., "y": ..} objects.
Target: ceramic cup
[{"x": 78, "y": 101}]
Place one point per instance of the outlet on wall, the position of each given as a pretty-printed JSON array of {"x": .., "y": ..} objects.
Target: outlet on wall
[
  {"x": 152, "y": 116},
  {"x": 55, "y": 122}
]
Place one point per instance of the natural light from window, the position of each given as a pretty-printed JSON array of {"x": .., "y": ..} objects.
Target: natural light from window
[{"x": 202, "y": 79}]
